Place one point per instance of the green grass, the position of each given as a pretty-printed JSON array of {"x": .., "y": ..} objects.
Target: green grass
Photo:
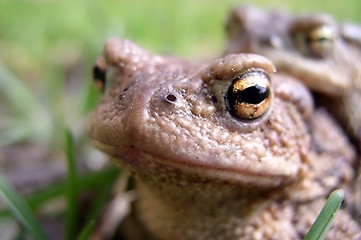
[
  {"x": 324, "y": 220},
  {"x": 47, "y": 49},
  {"x": 21, "y": 210},
  {"x": 71, "y": 187},
  {"x": 84, "y": 182}
]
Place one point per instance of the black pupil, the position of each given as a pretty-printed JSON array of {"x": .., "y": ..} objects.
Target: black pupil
[{"x": 253, "y": 95}]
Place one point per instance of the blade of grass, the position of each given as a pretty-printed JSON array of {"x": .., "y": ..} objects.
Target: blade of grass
[
  {"x": 20, "y": 97},
  {"x": 14, "y": 130},
  {"x": 99, "y": 202},
  {"x": 71, "y": 188},
  {"x": 84, "y": 182},
  {"x": 324, "y": 220},
  {"x": 90, "y": 98},
  {"x": 96, "y": 209},
  {"x": 27, "y": 110},
  {"x": 21, "y": 210},
  {"x": 86, "y": 230}
]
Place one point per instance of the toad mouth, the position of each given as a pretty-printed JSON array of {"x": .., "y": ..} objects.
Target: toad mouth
[{"x": 139, "y": 159}]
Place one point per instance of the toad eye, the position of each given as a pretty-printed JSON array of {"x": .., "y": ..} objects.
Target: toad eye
[
  {"x": 317, "y": 41},
  {"x": 249, "y": 96},
  {"x": 321, "y": 39},
  {"x": 99, "y": 74}
]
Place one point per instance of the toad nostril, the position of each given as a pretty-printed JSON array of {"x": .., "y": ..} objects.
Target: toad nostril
[{"x": 171, "y": 98}]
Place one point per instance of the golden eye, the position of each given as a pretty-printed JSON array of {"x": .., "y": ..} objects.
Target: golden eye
[
  {"x": 316, "y": 42},
  {"x": 99, "y": 74},
  {"x": 249, "y": 95},
  {"x": 322, "y": 40}
]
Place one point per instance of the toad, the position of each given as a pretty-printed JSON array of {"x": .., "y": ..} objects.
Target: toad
[
  {"x": 221, "y": 150},
  {"x": 314, "y": 48}
]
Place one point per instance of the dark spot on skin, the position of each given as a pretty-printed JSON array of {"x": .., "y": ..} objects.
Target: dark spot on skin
[
  {"x": 123, "y": 93},
  {"x": 214, "y": 99}
]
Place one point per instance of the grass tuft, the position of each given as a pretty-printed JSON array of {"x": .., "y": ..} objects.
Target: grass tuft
[{"x": 21, "y": 210}]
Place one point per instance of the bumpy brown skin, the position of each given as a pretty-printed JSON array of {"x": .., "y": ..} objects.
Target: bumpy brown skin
[
  {"x": 202, "y": 173},
  {"x": 334, "y": 74},
  {"x": 334, "y": 70}
]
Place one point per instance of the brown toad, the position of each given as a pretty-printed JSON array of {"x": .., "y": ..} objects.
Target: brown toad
[
  {"x": 314, "y": 48},
  {"x": 221, "y": 150}
]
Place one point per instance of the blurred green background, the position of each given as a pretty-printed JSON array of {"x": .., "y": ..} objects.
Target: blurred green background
[
  {"x": 49, "y": 46},
  {"x": 47, "y": 50}
]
